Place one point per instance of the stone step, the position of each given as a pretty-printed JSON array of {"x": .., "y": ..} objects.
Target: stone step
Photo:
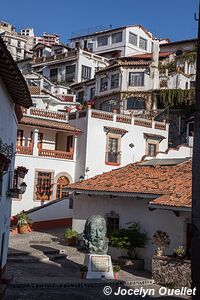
[{"x": 35, "y": 259}]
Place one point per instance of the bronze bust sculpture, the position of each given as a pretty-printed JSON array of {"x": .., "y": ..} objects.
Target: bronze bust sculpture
[{"x": 94, "y": 235}]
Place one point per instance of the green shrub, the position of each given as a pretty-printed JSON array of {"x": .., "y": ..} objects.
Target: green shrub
[
  {"x": 116, "y": 268},
  {"x": 70, "y": 233},
  {"x": 23, "y": 219},
  {"x": 129, "y": 238}
]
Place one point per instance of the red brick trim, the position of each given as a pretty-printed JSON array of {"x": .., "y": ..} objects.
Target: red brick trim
[{"x": 52, "y": 224}]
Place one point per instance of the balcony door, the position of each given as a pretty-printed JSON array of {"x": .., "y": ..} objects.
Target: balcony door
[{"x": 62, "y": 182}]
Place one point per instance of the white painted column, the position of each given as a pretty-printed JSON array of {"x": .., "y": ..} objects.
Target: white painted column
[
  {"x": 35, "y": 142},
  {"x": 75, "y": 147}
]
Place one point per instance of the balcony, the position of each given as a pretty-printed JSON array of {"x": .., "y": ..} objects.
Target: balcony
[
  {"x": 55, "y": 154},
  {"x": 24, "y": 150}
]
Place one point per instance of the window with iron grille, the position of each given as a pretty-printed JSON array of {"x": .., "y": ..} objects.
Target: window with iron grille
[
  {"x": 142, "y": 43},
  {"x": 108, "y": 105},
  {"x": 113, "y": 155},
  {"x": 85, "y": 73},
  {"x": 134, "y": 103},
  {"x": 133, "y": 38},
  {"x": 103, "y": 84},
  {"x": 136, "y": 79},
  {"x": 117, "y": 37},
  {"x": 102, "y": 41},
  {"x": 114, "y": 81},
  {"x": 44, "y": 186},
  {"x": 151, "y": 149},
  {"x": 70, "y": 72}
]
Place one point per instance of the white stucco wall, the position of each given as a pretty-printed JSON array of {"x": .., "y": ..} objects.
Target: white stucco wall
[
  {"x": 95, "y": 146},
  {"x": 8, "y": 130},
  {"x": 55, "y": 211},
  {"x": 59, "y": 167},
  {"x": 133, "y": 210}
]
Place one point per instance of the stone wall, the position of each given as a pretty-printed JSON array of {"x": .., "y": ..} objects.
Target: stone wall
[{"x": 169, "y": 270}]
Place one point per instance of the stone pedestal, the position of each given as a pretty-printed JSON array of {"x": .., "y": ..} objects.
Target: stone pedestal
[{"x": 99, "y": 266}]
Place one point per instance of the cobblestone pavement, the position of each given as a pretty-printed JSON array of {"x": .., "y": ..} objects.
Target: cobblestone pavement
[{"x": 45, "y": 267}]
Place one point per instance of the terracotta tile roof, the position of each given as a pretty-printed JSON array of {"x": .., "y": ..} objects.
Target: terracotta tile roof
[
  {"x": 149, "y": 55},
  {"x": 49, "y": 124},
  {"x": 171, "y": 184},
  {"x": 115, "y": 129}
]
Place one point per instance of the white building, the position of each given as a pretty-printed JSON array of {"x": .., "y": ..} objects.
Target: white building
[
  {"x": 111, "y": 140},
  {"x": 19, "y": 45},
  {"x": 155, "y": 194},
  {"x": 69, "y": 66},
  {"x": 29, "y": 32},
  {"x": 117, "y": 42},
  {"x": 13, "y": 94}
]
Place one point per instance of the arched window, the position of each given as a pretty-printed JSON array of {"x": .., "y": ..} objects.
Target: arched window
[
  {"x": 135, "y": 103},
  {"x": 108, "y": 105},
  {"x": 61, "y": 183}
]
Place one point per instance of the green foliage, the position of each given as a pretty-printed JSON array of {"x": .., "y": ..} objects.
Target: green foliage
[
  {"x": 179, "y": 251},
  {"x": 83, "y": 268},
  {"x": 173, "y": 97},
  {"x": 116, "y": 268},
  {"x": 69, "y": 233},
  {"x": 161, "y": 239},
  {"x": 129, "y": 239},
  {"x": 23, "y": 219}
]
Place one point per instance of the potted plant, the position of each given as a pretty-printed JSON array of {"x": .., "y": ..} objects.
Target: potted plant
[
  {"x": 70, "y": 235},
  {"x": 116, "y": 270},
  {"x": 129, "y": 239},
  {"x": 161, "y": 240},
  {"x": 83, "y": 271},
  {"x": 179, "y": 251},
  {"x": 23, "y": 222}
]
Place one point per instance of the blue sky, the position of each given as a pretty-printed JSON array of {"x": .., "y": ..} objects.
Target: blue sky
[{"x": 172, "y": 18}]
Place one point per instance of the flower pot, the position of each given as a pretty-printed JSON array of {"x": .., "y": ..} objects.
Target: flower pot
[
  {"x": 116, "y": 275},
  {"x": 23, "y": 229},
  {"x": 71, "y": 241}
]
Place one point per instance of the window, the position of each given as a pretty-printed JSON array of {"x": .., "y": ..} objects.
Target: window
[
  {"x": 151, "y": 149},
  {"x": 92, "y": 93},
  {"x": 70, "y": 72},
  {"x": 112, "y": 154},
  {"x": 19, "y": 137},
  {"x": 80, "y": 96},
  {"x": 103, "y": 84},
  {"x": 192, "y": 84},
  {"x": 108, "y": 105},
  {"x": 102, "y": 41},
  {"x": 9, "y": 41},
  {"x": 112, "y": 225},
  {"x": 117, "y": 37},
  {"x": 114, "y": 81},
  {"x": 69, "y": 143},
  {"x": 53, "y": 74},
  {"x": 62, "y": 182},
  {"x": 136, "y": 79},
  {"x": 44, "y": 186},
  {"x": 134, "y": 103},
  {"x": 133, "y": 38},
  {"x": 18, "y": 44},
  {"x": 143, "y": 43},
  {"x": 85, "y": 73}
]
